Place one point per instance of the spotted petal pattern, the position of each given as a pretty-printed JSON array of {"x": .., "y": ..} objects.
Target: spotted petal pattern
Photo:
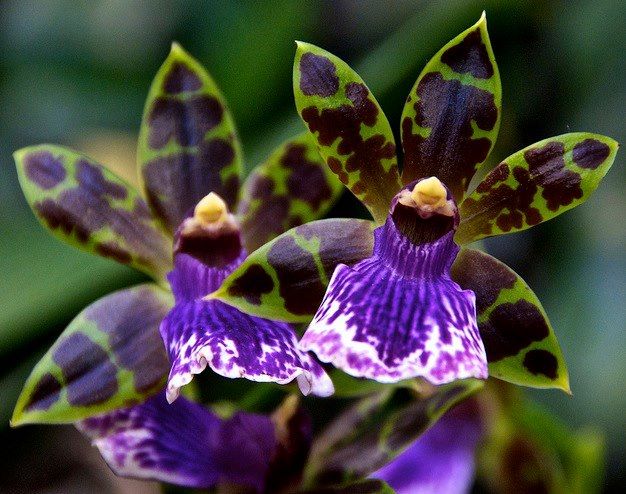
[
  {"x": 398, "y": 315},
  {"x": 188, "y": 145},
  {"x": 294, "y": 186},
  {"x": 519, "y": 340},
  {"x": 451, "y": 119},
  {"x": 234, "y": 344},
  {"x": 89, "y": 207},
  {"x": 377, "y": 429},
  {"x": 536, "y": 184},
  {"x": 109, "y": 356},
  {"x": 286, "y": 278},
  {"x": 352, "y": 132},
  {"x": 184, "y": 444},
  {"x": 442, "y": 460}
]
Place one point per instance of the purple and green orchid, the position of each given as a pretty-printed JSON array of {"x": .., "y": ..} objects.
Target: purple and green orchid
[
  {"x": 421, "y": 303},
  {"x": 190, "y": 165},
  {"x": 236, "y": 268},
  {"x": 126, "y": 347}
]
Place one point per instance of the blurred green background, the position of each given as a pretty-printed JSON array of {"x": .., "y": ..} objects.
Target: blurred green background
[{"x": 77, "y": 73}]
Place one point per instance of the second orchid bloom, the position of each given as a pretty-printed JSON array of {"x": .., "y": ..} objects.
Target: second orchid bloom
[{"x": 414, "y": 305}]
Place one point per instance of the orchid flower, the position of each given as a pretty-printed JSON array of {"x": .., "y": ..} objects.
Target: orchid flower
[
  {"x": 416, "y": 305},
  {"x": 122, "y": 349},
  {"x": 227, "y": 291}
]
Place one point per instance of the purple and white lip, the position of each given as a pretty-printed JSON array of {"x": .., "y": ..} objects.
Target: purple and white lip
[
  {"x": 398, "y": 314},
  {"x": 198, "y": 332}
]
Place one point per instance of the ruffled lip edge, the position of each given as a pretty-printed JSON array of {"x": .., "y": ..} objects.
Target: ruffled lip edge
[
  {"x": 341, "y": 361},
  {"x": 305, "y": 378}
]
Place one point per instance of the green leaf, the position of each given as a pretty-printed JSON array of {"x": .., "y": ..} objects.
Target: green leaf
[
  {"x": 294, "y": 186},
  {"x": 188, "y": 145},
  {"x": 377, "y": 429},
  {"x": 369, "y": 486},
  {"x": 347, "y": 386},
  {"x": 89, "y": 207},
  {"x": 351, "y": 129},
  {"x": 536, "y": 184},
  {"x": 580, "y": 453},
  {"x": 451, "y": 118},
  {"x": 110, "y": 356},
  {"x": 286, "y": 278},
  {"x": 519, "y": 340},
  {"x": 528, "y": 447}
]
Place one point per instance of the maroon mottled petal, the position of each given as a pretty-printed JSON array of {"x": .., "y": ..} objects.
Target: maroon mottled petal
[
  {"x": 451, "y": 117},
  {"x": 292, "y": 187},
  {"x": 448, "y": 108},
  {"x": 89, "y": 207},
  {"x": 188, "y": 144}
]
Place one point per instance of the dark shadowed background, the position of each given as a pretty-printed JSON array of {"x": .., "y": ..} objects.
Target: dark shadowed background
[{"x": 77, "y": 73}]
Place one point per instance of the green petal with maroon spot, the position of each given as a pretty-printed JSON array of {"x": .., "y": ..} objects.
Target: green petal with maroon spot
[
  {"x": 110, "y": 356},
  {"x": 451, "y": 118},
  {"x": 351, "y": 130},
  {"x": 377, "y": 429},
  {"x": 369, "y": 486},
  {"x": 536, "y": 184},
  {"x": 188, "y": 145},
  {"x": 519, "y": 340},
  {"x": 286, "y": 278},
  {"x": 89, "y": 207},
  {"x": 294, "y": 186}
]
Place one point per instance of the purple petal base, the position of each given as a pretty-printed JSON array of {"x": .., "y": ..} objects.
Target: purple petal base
[
  {"x": 191, "y": 279},
  {"x": 184, "y": 444},
  {"x": 234, "y": 344},
  {"x": 398, "y": 315},
  {"x": 442, "y": 459}
]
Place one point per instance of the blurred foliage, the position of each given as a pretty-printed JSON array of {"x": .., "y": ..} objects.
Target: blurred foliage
[{"x": 77, "y": 73}]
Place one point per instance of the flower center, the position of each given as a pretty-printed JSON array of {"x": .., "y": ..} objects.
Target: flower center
[
  {"x": 211, "y": 235},
  {"x": 429, "y": 192},
  {"x": 211, "y": 210},
  {"x": 429, "y": 197}
]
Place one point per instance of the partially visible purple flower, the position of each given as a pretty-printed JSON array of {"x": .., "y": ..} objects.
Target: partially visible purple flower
[
  {"x": 184, "y": 444},
  {"x": 442, "y": 460}
]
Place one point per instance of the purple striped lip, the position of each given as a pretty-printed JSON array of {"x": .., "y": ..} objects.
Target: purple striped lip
[
  {"x": 198, "y": 333},
  {"x": 398, "y": 314}
]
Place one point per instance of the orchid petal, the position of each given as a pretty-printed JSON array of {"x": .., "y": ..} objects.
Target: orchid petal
[
  {"x": 89, "y": 207},
  {"x": 451, "y": 119},
  {"x": 285, "y": 279},
  {"x": 184, "y": 444},
  {"x": 188, "y": 144},
  {"x": 294, "y": 186},
  {"x": 109, "y": 356},
  {"x": 519, "y": 340},
  {"x": 352, "y": 131},
  {"x": 536, "y": 184},
  {"x": 234, "y": 344}
]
